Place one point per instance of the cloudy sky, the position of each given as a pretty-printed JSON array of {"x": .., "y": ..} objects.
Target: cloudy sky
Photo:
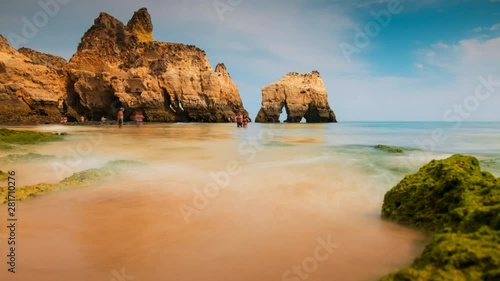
[{"x": 429, "y": 60}]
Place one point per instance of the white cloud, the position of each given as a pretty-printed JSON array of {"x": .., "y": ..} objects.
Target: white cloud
[
  {"x": 478, "y": 29},
  {"x": 419, "y": 66},
  {"x": 495, "y": 26},
  {"x": 466, "y": 56}
]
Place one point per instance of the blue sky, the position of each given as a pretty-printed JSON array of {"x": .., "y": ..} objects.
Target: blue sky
[{"x": 424, "y": 64}]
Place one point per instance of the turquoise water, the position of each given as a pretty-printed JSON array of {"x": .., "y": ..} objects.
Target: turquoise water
[{"x": 214, "y": 202}]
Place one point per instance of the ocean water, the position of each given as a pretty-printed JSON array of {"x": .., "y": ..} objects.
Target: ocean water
[{"x": 214, "y": 202}]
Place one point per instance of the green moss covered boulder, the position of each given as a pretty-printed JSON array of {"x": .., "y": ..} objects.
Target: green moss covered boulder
[
  {"x": 460, "y": 206},
  {"x": 451, "y": 193}
]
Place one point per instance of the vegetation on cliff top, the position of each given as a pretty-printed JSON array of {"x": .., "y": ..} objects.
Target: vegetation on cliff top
[{"x": 460, "y": 205}]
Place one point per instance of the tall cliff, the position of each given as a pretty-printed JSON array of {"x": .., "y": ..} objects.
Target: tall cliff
[
  {"x": 116, "y": 65},
  {"x": 32, "y": 86},
  {"x": 302, "y": 96},
  {"x": 120, "y": 65}
]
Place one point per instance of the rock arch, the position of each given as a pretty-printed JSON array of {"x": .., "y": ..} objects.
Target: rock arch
[{"x": 301, "y": 95}]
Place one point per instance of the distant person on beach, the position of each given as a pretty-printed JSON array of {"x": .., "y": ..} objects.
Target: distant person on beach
[
  {"x": 103, "y": 120},
  {"x": 245, "y": 121},
  {"x": 82, "y": 119},
  {"x": 119, "y": 117},
  {"x": 239, "y": 120},
  {"x": 138, "y": 118}
]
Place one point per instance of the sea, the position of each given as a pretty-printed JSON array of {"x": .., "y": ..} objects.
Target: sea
[{"x": 215, "y": 202}]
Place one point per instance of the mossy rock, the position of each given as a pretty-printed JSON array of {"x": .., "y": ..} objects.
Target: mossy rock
[
  {"x": 460, "y": 205},
  {"x": 451, "y": 193},
  {"x": 3, "y": 176},
  {"x": 5, "y": 146},
  {"x": 456, "y": 256},
  {"x": 25, "y": 137},
  {"x": 80, "y": 179},
  {"x": 389, "y": 149},
  {"x": 23, "y": 158}
]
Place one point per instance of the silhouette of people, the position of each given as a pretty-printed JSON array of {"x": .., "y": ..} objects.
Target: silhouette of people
[
  {"x": 120, "y": 117},
  {"x": 246, "y": 120},
  {"x": 138, "y": 118},
  {"x": 239, "y": 120}
]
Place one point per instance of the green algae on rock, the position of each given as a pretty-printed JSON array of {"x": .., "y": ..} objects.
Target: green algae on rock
[
  {"x": 389, "y": 149},
  {"x": 25, "y": 137},
  {"x": 460, "y": 205},
  {"x": 80, "y": 179},
  {"x": 23, "y": 158},
  {"x": 456, "y": 256},
  {"x": 3, "y": 176},
  {"x": 450, "y": 193}
]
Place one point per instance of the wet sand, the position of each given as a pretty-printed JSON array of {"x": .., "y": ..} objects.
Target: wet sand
[{"x": 265, "y": 220}]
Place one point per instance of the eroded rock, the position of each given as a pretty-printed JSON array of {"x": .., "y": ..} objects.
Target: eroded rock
[
  {"x": 118, "y": 65},
  {"x": 301, "y": 95},
  {"x": 31, "y": 90}
]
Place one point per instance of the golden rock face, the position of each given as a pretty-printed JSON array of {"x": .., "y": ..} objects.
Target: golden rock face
[
  {"x": 116, "y": 65},
  {"x": 29, "y": 90},
  {"x": 301, "y": 95}
]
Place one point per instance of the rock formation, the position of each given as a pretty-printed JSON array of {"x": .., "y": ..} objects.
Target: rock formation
[
  {"x": 50, "y": 61},
  {"x": 32, "y": 86},
  {"x": 459, "y": 204},
  {"x": 302, "y": 96},
  {"x": 116, "y": 65}
]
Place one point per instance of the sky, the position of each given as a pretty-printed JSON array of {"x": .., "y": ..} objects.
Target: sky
[{"x": 381, "y": 60}]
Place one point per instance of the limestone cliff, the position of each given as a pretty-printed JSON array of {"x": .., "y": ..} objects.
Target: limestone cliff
[
  {"x": 302, "y": 96},
  {"x": 32, "y": 88},
  {"x": 116, "y": 65},
  {"x": 120, "y": 65},
  {"x": 48, "y": 60}
]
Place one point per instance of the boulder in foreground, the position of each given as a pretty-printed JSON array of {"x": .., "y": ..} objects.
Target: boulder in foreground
[{"x": 460, "y": 205}]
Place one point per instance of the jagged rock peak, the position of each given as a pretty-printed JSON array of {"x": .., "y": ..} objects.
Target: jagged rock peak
[
  {"x": 141, "y": 25},
  {"x": 105, "y": 20},
  {"x": 5, "y": 46},
  {"x": 221, "y": 68}
]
